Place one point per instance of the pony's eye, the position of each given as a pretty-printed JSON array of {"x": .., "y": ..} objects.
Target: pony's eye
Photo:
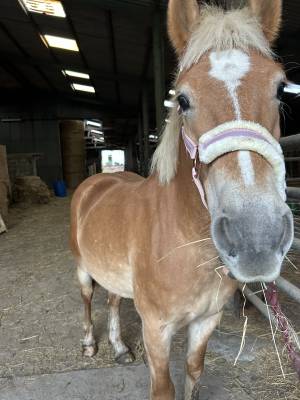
[
  {"x": 280, "y": 90},
  {"x": 183, "y": 102}
]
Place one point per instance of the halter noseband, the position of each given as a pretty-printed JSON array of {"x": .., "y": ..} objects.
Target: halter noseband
[{"x": 235, "y": 136}]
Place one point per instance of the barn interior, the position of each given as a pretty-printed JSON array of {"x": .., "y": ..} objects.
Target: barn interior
[{"x": 85, "y": 86}]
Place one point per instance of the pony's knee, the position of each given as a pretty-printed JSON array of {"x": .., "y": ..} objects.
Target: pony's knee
[{"x": 86, "y": 283}]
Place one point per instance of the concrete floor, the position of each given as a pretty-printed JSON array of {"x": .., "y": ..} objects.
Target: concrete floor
[
  {"x": 40, "y": 329},
  {"x": 115, "y": 383}
]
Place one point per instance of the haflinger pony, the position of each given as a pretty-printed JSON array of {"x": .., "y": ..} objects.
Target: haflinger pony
[{"x": 154, "y": 240}]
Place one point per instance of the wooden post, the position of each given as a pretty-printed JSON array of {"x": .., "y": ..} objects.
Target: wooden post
[
  {"x": 145, "y": 114},
  {"x": 141, "y": 145},
  {"x": 159, "y": 68}
]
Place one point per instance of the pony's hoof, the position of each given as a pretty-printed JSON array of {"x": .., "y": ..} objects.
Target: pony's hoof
[
  {"x": 125, "y": 358},
  {"x": 89, "y": 351}
]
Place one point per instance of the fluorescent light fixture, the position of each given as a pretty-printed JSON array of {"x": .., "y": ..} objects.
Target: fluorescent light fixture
[
  {"x": 292, "y": 88},
  {"x": 61, "y": 42},
  {"x": 11, "y": 120},
  {"x": 75, "y": 74},
  {"x": 172, "y": 92},
  {"x": 98, "y": 140},
  {"x": 83, "y": 88},
  {"x": 96, "y": 132},
  {"x": 93, "y": 123},
  {"x": 53, "y": 8},
  {"x": 169, "y": 104}
]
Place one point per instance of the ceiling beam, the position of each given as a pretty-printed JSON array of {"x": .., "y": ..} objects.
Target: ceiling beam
[
  {"x": 26, "y": 56},
  {"x": 76, "y": 37},
  {"x": 98, "y": 74},
  {"x": 15, "y": 74},
  {"x": 126, "y": 6},
  {"x": 113, "y": 53}
]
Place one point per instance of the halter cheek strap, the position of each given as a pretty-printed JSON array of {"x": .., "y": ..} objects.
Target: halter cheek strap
[
  {"x": 192, "y": 149},
  {"x": 235, "y": 136}
]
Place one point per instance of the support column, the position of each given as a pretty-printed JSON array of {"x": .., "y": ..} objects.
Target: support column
[
  {"x": 145, "y": 114},
  {"x": 159, "y": 68},
  {"x": 141, "y": 145}
]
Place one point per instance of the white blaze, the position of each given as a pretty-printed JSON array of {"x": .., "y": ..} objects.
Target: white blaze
[
  {"x": 246, "y": 167},
  {"x": 229, "y": 67}
]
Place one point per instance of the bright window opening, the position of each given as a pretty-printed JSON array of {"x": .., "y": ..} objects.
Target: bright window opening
[
  {"x": 83, "y": 88},
  {"x": 53, "y": 8},
  {"x": 113, "y": 160},
  {"x": 75, "y": 74}
]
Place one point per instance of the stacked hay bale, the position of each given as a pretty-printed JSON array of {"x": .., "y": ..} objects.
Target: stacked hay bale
[
  {"x": 4, "y": 183},
  {"x": 73, "y": 152},
  {"x": 31, "y": 190}
]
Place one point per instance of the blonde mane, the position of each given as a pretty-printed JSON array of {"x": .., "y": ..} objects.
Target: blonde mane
[{"x": 216, "y": 30}]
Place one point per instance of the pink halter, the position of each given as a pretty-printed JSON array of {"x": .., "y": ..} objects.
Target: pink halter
[
  {"x": 234, "y": 136},
  {"x": 193, "y": 150}
]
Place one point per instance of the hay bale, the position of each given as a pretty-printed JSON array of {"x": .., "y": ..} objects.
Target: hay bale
[
  {"x": 30, "y": 189},
  {"x": 73, "y": 152}
]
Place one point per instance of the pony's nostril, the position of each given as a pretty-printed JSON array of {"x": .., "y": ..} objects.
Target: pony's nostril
[
  {"x": 222, "y": 236},
  {"x": 232, "y": 253}
]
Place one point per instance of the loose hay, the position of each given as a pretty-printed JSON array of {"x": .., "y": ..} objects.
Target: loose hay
[{"x": 39, "y": 297}]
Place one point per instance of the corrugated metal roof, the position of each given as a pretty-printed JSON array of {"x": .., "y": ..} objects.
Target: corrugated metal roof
[{"x": 114, "y": 40}]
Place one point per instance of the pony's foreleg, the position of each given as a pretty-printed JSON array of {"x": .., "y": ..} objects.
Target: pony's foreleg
[
  {"x": 199, "y": 332},
  {"x": 122, "y": 353},
  {"x": 157, "y": 341},
  {"x": 89, "y": 346}
]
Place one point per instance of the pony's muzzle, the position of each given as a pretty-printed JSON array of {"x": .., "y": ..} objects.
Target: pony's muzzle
[{"x": 253, "y": 247}]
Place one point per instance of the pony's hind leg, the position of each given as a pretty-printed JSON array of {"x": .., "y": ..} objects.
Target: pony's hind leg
[
  {"x": 122, "y": 353},
  {"x": 87, "y": 285}
]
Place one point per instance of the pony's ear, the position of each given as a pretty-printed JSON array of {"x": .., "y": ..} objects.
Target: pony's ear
[
  {"x": 269, "y": 13},
  {"x": 182, "y": 15}
]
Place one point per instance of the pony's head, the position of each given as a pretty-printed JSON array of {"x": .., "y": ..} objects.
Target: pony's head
[{"x": 228, "y": 84}]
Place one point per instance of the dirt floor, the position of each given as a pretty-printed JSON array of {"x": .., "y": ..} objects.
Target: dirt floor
[{"x": 41, "y": 314}]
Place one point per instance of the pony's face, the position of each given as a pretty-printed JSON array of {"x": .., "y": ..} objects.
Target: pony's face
[{"x": 252, "y": 227}]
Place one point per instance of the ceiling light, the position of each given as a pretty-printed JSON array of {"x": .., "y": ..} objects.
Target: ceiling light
[
  {"x": 93, "y": 123},
  {"x": 61, "y": 42},
  {"x": 11, "y": 120},
  {"x": 75, "y": 74},
  {"x": 99, "y": 140},
  {"x": 83, "y": 88},
  {"x": 292, "y": 88},
  {"x": 169, "y": 104},
  {"x": 96, "y": 132},
  {"x": 53, "y": 8}
]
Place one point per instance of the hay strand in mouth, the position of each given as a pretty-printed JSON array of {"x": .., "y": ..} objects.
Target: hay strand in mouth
[
  {"x": 289, "y": 335},
  {"x": 293, "y": 265},
  {"x": 182, "y": 246},
  {"x": 219, "y": 286},
  {"x": 243, "y": 341},
  {"x": 272, "y": 331},
  {"x": 206, "y": 262}
]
